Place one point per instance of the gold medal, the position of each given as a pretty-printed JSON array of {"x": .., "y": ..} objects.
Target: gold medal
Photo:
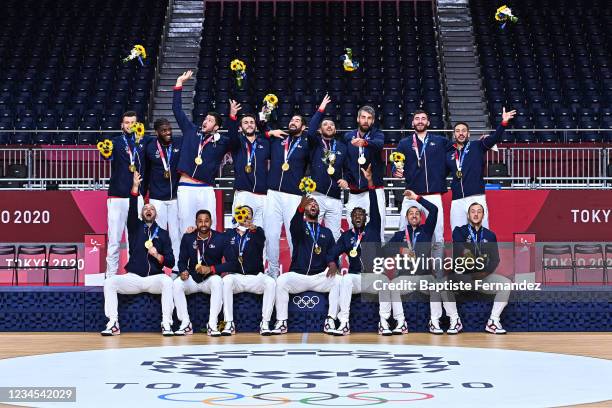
[
  {"x": 459, "y": 174},
  {"x": 331, "y": 170},
  {"x": 411, "y": 253},
  {"x": 353, "y": 253},
  {"x": 361, "y": 160},
  {"x": 148, "y": 244},
  {"x": 132, "y": 168},
  {"x": 248, "y": 168},
  {"x": 317, "y": 250},
  {"x": 166, "y": 174},
  {"x": 198, "y": 160},
  {"x": 198, "y": 265},
  {"x": 285, "y": 166}
]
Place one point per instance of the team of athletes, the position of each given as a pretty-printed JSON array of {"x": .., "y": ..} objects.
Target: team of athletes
[{"x": 177, "y": 228}]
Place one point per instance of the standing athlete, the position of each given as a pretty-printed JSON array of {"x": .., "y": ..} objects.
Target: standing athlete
[
  {"x": 288, "y": 160},
  {"x": 465, "y": 162},
  {"x": 162, "y": 156},
  {"x": 126, "y": 159}
]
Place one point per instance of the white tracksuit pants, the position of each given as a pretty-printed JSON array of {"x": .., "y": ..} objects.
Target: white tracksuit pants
[
  {"x": 168, "y": 219},
  {"x": 237, "y": 283},
  {"x": 131, "y": 284},
  {"x": 212, "y": 286},
  {"x": 280, "y": 209},
  {"x": 363, "y": 200},
  {"x": 191, "y": 199},
  {"x": 437, "y": 247},
  {"x": 117, "y": 213},
  {"x": 255, "y": 201},
  {"x": 501, "y": 296},
  {"x": 350, "y": 284},
  {"x": 330, "y": 213},
  {"x": 292, "y": 282},
  {"x": 436, "y": 299},
  {"x": 459, "y": 210}
]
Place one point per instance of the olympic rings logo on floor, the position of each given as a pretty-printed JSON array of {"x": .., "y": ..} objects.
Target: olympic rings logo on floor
[
  {"x": 356, "y": 399},
  {"x": 306, "y": 301}
]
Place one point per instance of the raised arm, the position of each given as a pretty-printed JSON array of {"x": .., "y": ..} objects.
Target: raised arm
[
  {"x": 177, "y": 104},
  {"x": 432, "y": 217},
  {"x": 132, "y": 220},
  {"x": 489, "y": 141},
  {"x": 233, "y": 125}
]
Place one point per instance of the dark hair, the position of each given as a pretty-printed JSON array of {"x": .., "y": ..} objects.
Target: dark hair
[
  {"x": 160, "y": 122},
  {"x": 475, "y": 203},
  {"x": 410, "y": 208},
  {"x": 462, "y": 123},
  {"x": 205, "y": 212},
  {"x": 302, "y": 118},
  {"x": 248, "y": 115},
  {"x": 358, "y": 209},
  {"x": 328, "y": 118},
  {"x": 419, "y": 111},
  {"x": 128, "y": 113},
  {"x": 218, "y": 120}
]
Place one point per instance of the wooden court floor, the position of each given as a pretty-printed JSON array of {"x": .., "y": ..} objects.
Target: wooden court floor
[{"x": 597, "y": 345}]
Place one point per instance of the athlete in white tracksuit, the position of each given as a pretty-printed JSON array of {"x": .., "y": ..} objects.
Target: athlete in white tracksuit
[
  {"x": 150, "y": 251},
  {"x": 288, "y": 159}
]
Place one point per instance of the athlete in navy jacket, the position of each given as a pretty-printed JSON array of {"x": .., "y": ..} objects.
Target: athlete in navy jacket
[
  {"x": 476, "y": 256},
  {"x": 162, "y": 154},
  {"x": 350, "y": 244},
  {"x": 251, "y": 156},
  {"x": 150, "y": 251},
  {"x": 311, "y": 246},
  {"x": 202, "y": 152},
  {"x": 288, "y": 160},
  {"x": 424, "y": 169},
  {"x": 201, "y": 254},
  {"x": 364, "y": 148},
  {"x": 126, "y": 158},
  {"x": 465, "y": 162},
  {"x": 243, "y": 271},
  {"x": 327, "y": 168},
  {"x": 413, "y": 242}
]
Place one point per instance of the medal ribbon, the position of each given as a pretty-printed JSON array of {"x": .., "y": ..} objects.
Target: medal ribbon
[
  {"x": 154, "y": 233},
  {"x": 203, "y": 144},
  {"x": 365, "y": 137},
  {"x": 242, "y": 241},
  {"x": 289, "y": 152},
  {"x": 460, "y": 156},
  {"x": 205, "y": 243},
  {"x": 411, "y": 241},
  {"x": 476, "y": 238},
  {"x": 165, "y": 162},
  {"x": 250, "y": 151},
  {"x": 358, "y": 239},
  {"x": 129, "y": 150},
  {"x": 314, "y": 234},
  {"x": 415, "y": 146}
]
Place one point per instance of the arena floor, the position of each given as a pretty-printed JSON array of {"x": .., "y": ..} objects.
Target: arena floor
[{"x": 598, "y": 345}]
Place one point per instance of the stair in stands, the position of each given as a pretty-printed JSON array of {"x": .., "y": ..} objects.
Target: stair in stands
[
  {"x": 465, "y": 99},
  {"x": 180, "y": 52}
]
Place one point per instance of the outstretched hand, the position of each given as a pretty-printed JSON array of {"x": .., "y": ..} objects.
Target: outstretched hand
[
  {"x": 184, "y": 77},
  {"x": 507, "y": 116}
]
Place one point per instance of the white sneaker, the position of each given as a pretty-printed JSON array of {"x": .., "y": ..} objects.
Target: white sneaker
[
  {"x": 264, "y": 329},
  {"x": 434, "y": 327},
  {"x": 401, "y": 328},
  {"x": 383, "y": 328},
  {"x": 455, "y": 326},
  {"x": 185, "y": 330},
  {"x": 343, "y": 330},
  {"x": 166, "y": 330},
  {"x": 280, "y": 327},
  {"x": 112, "y": 329},
  {"x": 329, "y": 327},
  {"x": 495, "y": 327},
  {"x": 212, "y": 331},
  {"x": 229, "y": 329}
]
